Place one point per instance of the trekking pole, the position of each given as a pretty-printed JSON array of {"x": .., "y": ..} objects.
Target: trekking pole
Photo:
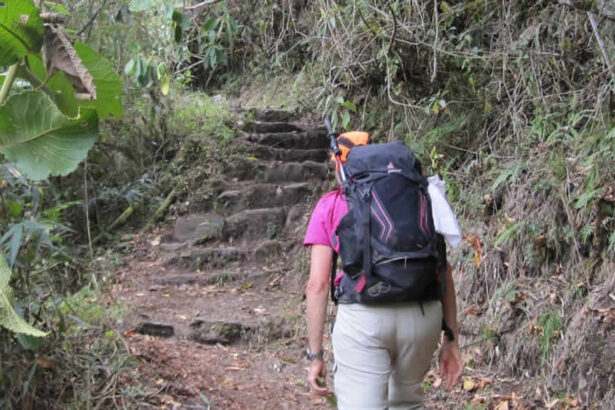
[{"x": 335, "y": 148}]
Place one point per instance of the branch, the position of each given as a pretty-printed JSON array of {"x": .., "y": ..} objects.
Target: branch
[
  {"x": 163, "y": 207},
  {"x": 574, "y": 5},
  {"x": 8, "y": 82},
  {"x": 391, "y": 97},
  {"x": 392, "y": 40},
  {"x": 118, "y": 221},
  {"x": 596, "y": 29},
  {"x": 85, "y": 27},
  {"x": 435, "y": 42},
  {"x": 203, "y": 3}
]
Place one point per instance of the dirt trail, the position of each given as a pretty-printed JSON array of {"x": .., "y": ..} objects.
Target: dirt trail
[
  {"x": 214, "y": 311},
  {"x": 215, "y": 297}
]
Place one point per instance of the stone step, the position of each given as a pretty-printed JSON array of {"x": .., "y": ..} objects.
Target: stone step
[
  {"x": 272, "y": 115},
  {"x": 201, "y": 259},
  {"x": 155, "y": 329},
  {"x": 263, "y": 127},
  {"x": 262, "y": 152},
  {"x": 311, "y": 139},
  {"x": 274, "y": 171},
  {"x": 200, "y": 278},
  {"x": 225, "y": 332},
  {"x": 197, "y": 228},
  {"x": 252, "y": 224},
  {"x": 268, "y": 195}
]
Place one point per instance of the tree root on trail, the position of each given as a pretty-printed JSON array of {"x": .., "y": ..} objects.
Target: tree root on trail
[
  {"x": 163, "y": 206},
  {"x": 119, "y": 221}
]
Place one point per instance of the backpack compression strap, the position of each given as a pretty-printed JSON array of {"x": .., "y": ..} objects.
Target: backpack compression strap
[
  {"x": 366, "y": 245},
  {"x": 367, "y": 253}
]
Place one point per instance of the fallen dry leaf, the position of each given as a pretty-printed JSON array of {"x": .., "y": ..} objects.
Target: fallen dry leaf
[
  {"x": 477, "y": 399},
  {"x": 45, "y": 363},
  {"x": 472, "y": 310},
  {"x": 484, "y": 382},
  {"x": 478, "y": 249},
  {"x": 572, "y": 401},
  {"x": 469, "y": 385},
  {"x": 516, "y": 402},
  {"x": 168, "y": 399},
  {"x": 552, "y": 403},
  {"x": 260, "y": 310},
  {"x": 503, "y": 405},
  {"x": 519, "y": 297}
]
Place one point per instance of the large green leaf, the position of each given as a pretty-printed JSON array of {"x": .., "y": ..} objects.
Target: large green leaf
[
  {"x": 61, "y": 89},
  {"x": 21, "y": 30},
  {"x": 107, "y": 81},
  {"x": 8, "y": 317},
  {"x": 40, "y": 139}
]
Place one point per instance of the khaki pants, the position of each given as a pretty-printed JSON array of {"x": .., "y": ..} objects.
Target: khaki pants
[{"x": 382, "y": 354}]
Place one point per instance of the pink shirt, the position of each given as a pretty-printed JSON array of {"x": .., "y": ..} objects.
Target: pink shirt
[{"x": 324, "y": 221}]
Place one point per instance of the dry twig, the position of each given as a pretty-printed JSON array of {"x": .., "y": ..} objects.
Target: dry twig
[
  {"x": 201, "y": 4},
  {"x": 596, "y": 30}
]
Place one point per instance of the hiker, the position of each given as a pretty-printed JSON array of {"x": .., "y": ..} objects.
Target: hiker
[{"x": 382, "y": 350}]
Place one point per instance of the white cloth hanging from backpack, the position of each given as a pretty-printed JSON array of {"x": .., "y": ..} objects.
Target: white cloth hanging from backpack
[{"x": 444, "y": 218}]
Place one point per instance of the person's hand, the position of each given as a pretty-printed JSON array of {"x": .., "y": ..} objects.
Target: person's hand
[
  {"x": 451, "y": 367},
  {"x": 317, "y": 376}
]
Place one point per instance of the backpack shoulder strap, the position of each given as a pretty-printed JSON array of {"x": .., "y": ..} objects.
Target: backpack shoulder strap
[{"x": 333, "y": 274}]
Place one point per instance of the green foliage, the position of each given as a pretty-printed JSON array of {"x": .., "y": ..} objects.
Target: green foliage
[
  {"x": 340, "y": 111},
  {"x": 40, "y": 139},
  {"x": 144, "y": 5},
  {"x": 215, "y": 35},
  {"x": 586, "y": 197},
  {"x": 146, "y": 73},
  {"x": 181, "y": 23},
  {"x": 506, "y": 292},
  {"x": 46, "y": 136},
  {"x": 8, "y": 317},
  {"x": 197, "y": 113},
  {"x": 550, "y": 324},
  {"x": 511, "y": 173},
  {"x": 82, "y": 308},
  {"x": 30, "y": 231},
  {"x": 20, "y": 233},
  {"x": 21, "y": 30},
  {"x": 509, "y": 233},
  {"x": 108, "y": 85},
  {"x": 435, "y": 105}
]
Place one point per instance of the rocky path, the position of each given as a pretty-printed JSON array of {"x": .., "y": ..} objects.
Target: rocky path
[{"x": 215, "y": 301}]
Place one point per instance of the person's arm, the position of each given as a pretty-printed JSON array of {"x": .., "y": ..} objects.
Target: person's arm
[
  {"x": 317, "y": 294},
  {"x": 451, "y": 366}
]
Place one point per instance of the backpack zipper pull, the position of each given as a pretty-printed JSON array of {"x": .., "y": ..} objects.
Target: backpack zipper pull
[{"x": 365, "y": 195}]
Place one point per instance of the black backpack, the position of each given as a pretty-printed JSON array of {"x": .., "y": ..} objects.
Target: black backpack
[{"x": 389, "y": 249}]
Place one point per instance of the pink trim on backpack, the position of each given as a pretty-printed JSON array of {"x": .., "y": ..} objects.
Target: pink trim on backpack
[
  {"x": 379, "y": 220},
  {"x": 390, "y": 230},
  {"x": 360, "y": 284},
  {"x": 423, "y": 220}
]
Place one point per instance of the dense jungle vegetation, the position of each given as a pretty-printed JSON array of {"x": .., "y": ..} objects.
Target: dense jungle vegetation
[{"x": 112, "y": 113}]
